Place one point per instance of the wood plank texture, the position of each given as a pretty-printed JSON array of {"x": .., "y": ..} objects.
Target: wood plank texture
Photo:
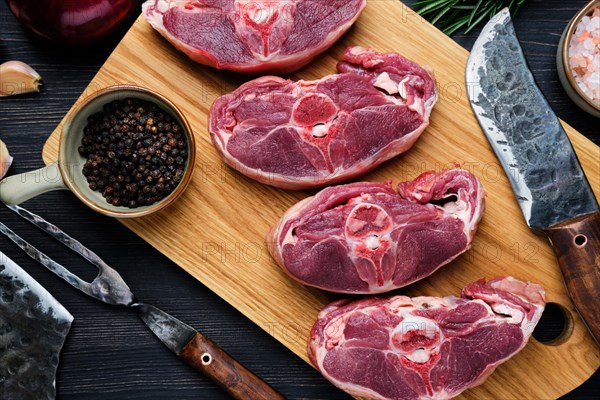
[{"x": 215, "y": 231}]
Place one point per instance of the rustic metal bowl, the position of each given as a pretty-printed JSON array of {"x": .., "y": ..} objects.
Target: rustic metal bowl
[{"x": 563, "y": 68}]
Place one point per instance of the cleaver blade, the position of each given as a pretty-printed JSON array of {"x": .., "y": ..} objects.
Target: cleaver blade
[
  {"x": 536, "y": 154},
  {"x": 33, "y": 329}
]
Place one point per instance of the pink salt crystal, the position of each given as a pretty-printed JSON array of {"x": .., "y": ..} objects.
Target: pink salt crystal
[
  {"x": 584, "y": 35},
  {"x": 584, "y": 55}
]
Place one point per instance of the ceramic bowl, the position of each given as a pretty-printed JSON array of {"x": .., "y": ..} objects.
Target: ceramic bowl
[
  {"x": 67, "y": 173},
  {"x": 562, "y": 63}
]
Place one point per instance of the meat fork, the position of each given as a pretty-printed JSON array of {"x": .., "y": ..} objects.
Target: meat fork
[{"x": 108, "y": 286}]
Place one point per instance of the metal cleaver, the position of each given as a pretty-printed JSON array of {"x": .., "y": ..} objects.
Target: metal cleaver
[
  {"x": 536, "y": 154},
  {"x": 33, "y": 328}
]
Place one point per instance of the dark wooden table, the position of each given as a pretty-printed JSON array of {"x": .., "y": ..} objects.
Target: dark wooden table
[{"x": 109, "y": 353}]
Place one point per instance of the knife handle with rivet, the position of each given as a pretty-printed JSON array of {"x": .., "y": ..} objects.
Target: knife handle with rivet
[
  {"x": 577, "y": 246},
  {"x": 207, "y": 357}
]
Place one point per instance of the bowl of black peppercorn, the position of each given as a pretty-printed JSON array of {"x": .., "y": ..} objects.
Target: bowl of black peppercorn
[
  {"x": 125, "y": 151},
  {"x": 134, "y": 148}
]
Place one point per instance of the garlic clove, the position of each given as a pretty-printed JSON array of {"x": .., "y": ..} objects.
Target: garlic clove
[
  {"x": 5, "y": 159},
  {"x": 16, "y": 77}
]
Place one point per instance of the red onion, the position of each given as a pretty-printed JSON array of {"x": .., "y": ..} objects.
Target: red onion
[{"x": 72, "y": 21}]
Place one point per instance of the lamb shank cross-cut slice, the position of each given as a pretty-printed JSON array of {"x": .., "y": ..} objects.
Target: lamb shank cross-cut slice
[
  {"x": 402, "y": 348},
  {"x": 311, "y": 134},
  {"x": 253, "y": 36},
  {"x": 364, "y": 237}
]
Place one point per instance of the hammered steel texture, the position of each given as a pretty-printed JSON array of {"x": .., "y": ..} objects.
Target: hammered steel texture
[
  {"x": 33, "y": 329},
  {"x": 523, "y": 130}
]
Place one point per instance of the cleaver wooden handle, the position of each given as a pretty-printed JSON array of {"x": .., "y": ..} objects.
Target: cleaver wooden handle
[
  {"x": 207, "y": 357},
  {"x": 577, "y": 246}
]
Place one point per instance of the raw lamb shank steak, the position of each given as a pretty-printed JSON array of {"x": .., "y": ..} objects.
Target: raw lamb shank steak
[
  {"x": 307, "y": 134},
  {"x": 252, "y": 36},
  {"x": 424, "y": 347},
  {"x": 365, "y": 238}
]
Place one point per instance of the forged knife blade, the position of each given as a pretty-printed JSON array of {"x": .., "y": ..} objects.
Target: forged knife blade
[
  {"x": 33, "y": 329},
  {"x": 536, "y": 154}
]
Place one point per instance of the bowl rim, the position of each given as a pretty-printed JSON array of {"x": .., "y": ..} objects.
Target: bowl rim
[
  {"x": 565, "y": 51},
  {"x": 163, "y": 102}
]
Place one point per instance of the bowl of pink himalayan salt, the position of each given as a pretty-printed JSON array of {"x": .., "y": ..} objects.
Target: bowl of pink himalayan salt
[{"x": 578, "y": 58}]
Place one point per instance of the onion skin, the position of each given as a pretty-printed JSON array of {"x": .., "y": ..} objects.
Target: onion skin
[{"x": 72, "y": 22}]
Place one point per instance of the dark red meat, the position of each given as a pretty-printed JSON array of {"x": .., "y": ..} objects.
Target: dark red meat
[
  {"x": 424, "y": 347},
  {"x": 309, "y": 134},
  {"x": 366, "y": 238},
  {"x": 253, "y": 36}
]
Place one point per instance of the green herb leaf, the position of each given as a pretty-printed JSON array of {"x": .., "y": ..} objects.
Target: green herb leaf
[{"x": 453, "y": 15}]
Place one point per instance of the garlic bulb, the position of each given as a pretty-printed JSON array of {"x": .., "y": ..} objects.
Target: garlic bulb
[
  {"x": 16, "y": 77},
  {"x": 5, "y": 159}
]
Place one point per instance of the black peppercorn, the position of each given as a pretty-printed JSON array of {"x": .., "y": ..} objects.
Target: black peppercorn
[{"x": 135, "y": 153}]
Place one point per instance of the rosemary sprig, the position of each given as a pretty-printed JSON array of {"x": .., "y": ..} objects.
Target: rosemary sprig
[{"x": 456, "y": 14}]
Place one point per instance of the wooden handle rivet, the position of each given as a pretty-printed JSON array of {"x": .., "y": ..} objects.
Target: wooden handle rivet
[
  {"x": 206, "y": 359},
  {"x": 580, "y": 240}
]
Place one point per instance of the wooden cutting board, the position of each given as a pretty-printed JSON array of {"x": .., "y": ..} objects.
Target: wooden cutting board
[{"x": 216, "y": 230}]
